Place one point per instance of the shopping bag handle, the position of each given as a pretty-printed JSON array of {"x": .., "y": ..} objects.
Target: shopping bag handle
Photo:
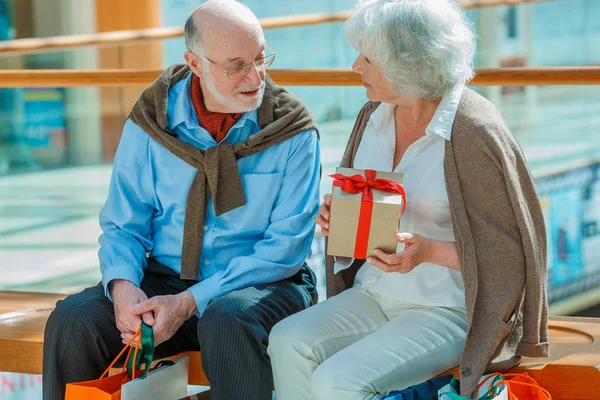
[
  {"x": 492, "y": 390},
  {"x": 512, "y": 382},
  {"x": 147, "y": 354},
  {"x": 135, "y": 336},
  {"x": 496, "y": 384},
  {"x": 144, "y": 339}
]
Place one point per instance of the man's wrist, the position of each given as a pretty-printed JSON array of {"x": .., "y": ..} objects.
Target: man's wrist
[
  {"x": 115, "y": 285},
  {"x": 189, "y": 302}
]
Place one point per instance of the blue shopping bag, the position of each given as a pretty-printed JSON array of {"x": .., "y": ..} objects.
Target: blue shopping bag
[{"x": 423, "y": 391}]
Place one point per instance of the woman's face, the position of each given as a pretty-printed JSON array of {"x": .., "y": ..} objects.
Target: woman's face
[{"x": 378, "y": 88}]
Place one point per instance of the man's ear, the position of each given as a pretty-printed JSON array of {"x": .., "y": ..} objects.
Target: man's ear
[{"x": 194, "y": 63}]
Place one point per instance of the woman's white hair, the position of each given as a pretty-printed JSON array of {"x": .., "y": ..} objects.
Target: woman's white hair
[{"x": 424, "y": 47}]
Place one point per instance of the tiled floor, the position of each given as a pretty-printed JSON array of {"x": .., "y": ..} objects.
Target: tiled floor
[{"x": 49, "y": 228}]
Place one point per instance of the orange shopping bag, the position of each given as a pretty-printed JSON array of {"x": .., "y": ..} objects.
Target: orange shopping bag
[
  {"x": 523, "y": 387},
  {"x": 109, "y": 387}
]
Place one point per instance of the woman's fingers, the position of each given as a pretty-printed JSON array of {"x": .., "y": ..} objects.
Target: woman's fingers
[
  {"x": 323, "y": 218},
  {"x": 324, "y": 212},
  {"x": 323, "y": 224},
  {"x": 396, "y": 262}
]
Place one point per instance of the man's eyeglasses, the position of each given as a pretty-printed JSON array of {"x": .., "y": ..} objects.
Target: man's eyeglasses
[{"x": 237, "y": 73}]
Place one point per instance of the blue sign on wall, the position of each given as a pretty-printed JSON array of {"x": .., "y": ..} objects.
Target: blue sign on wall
[
  {"x": 571, "y": 205},
  {"x": 565, "y": 234},
  {"x": 45, "y": 124}
]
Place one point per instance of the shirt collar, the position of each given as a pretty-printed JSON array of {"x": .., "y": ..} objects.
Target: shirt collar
[
  {"x": 182, "y": 111},
  {"x": 382, "y": 114},
  {"x": 440, "y": 124},
  {"x": 443, "y": 119}
]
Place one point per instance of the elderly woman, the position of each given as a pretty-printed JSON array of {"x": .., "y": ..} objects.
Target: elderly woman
[{"x": 467, "y": 284}]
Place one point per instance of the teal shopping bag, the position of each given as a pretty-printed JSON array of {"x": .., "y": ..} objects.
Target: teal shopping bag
[{"x": 491, "y": 387}]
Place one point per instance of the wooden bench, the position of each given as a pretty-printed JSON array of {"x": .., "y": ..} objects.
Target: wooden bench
[
  {"x": 570, "y": 373},
  {"x": 22, "y": 337}
]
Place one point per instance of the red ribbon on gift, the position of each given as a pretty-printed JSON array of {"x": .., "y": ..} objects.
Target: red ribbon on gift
[{"x": 365, "y": 184}]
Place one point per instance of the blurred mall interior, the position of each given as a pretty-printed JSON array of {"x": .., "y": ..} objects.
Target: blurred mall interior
[{"x": 57, "y": 144}]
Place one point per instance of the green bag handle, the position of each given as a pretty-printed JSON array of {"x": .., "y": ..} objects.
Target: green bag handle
[{"x": 144, "y": 355}]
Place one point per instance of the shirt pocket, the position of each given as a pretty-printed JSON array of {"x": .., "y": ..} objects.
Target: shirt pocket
[{"x": 261, "y": 192}]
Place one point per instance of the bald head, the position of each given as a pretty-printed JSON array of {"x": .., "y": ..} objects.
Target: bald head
[
  {"x": 226, "y": 46},
  {"x": 204, "y": 28}
]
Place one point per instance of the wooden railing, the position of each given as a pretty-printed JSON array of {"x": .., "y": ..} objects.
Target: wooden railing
[
  {"x": 293, "y": 77},
  {"x": 121, "y": 38}
]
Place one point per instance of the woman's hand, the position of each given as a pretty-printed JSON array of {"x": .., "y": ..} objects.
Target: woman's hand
[
  {"x": 418, "y": 250},
  {"x": 323, "y": 218}
]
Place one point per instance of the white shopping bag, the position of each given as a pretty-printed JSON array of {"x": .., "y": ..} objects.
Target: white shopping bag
[
  {"x": 490, "y": 388},
  {"x": 166, "y": 383}
]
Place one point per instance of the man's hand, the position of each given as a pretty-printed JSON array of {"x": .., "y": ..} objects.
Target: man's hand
[
  {"x": 170, "y": 312},
  {"x": 418, "y": 250},
  {"x": 125, "y": 295}
]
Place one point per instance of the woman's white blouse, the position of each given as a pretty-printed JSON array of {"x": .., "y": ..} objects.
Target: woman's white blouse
[{"x": 427, "y": 211}]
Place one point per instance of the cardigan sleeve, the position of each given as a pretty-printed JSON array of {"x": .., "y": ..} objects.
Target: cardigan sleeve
[
  {"x": 530, "y": 220},
  {"x": 508, "y": 228}
]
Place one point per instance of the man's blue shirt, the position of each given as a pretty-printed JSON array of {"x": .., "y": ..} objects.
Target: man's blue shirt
[{"x": 264, "y": 241}]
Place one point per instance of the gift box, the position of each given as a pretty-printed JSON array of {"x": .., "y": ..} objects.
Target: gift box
[{"x": 366, "y": 207}]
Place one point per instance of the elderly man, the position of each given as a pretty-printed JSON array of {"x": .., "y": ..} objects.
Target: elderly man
[{"x": 208, "y": 221}]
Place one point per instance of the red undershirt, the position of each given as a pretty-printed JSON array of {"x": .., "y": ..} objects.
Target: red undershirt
[{"x": 217, "y": 124}]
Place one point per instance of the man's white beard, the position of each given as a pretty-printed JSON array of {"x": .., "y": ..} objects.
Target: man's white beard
[{"x": 237, "y": 102}]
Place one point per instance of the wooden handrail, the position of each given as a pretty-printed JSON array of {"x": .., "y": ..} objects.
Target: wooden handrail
[
  {"x": 294, "y": 77},
  {"x": 69, "y": 42},
  {"x": 121, "y": 38}
]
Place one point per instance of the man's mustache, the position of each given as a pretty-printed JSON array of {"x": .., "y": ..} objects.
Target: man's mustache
[{"x": 248, "y": 88}]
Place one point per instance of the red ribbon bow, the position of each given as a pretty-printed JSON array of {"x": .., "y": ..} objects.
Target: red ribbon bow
[{"x": 365, "y": 184}]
